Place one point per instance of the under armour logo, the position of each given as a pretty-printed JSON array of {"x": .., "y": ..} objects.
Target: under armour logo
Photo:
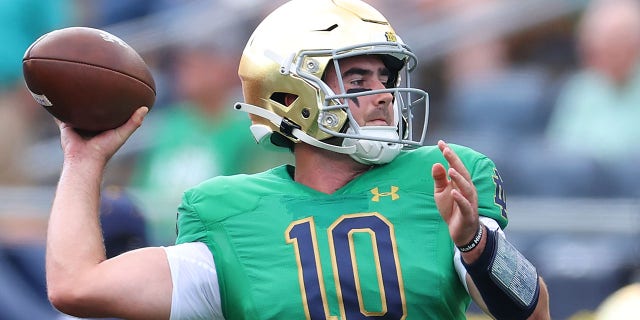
[{"x": 377, "y": 194}]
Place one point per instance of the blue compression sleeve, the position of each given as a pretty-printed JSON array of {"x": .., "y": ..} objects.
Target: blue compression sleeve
[{"x": 506, "y": 280}]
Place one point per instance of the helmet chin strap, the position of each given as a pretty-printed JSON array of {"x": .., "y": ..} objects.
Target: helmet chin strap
[
  {"x": 297, "y": 133},
  {"x": 374, "y": 152},
  {"x": 362, "y": 150}
]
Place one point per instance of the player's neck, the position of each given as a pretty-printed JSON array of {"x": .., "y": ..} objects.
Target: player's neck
[{"x": 323, "y": 170}]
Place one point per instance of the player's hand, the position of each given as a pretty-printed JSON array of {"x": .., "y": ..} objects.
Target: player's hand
[
  {"x": 100, "y": 147},
  {"x": 456, "y": 198}
]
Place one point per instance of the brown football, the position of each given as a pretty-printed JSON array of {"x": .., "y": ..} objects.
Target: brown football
[{"x": 87, "y": 78}]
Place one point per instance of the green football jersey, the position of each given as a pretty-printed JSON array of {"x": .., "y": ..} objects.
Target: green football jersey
[{"x": 375, "y": 249}]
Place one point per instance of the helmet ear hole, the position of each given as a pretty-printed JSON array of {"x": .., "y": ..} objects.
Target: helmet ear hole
[
  {"x": 278, "y": 97},
  {"x": 283, "y": 98}
]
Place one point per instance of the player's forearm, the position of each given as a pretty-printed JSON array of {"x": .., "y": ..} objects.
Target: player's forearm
[
  {"x": 542, "y": 311},
  {"x": 74, "y": 239},
  {"x": 503, "y": 281}
]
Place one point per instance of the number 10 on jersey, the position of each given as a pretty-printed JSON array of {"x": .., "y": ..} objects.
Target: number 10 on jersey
[{"x": 301, "y": 234}]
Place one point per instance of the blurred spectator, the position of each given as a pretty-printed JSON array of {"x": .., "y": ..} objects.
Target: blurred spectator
[
  {"x": 22, "y": 274},
  {"x": 21, "y": 23},
  {"x": 598, "y": 109},
  {"x": 21, "y": 119},
  {"x": 493, "y": 104},
  {"x": 23, "y": 122},
  {"x": 492, "y": 101},
  {"x": 124, "y": 227},
  {"x": 19, "y": 298},
  {"x": 198, "y": 137},
  {"x": 103, "y": 13}
]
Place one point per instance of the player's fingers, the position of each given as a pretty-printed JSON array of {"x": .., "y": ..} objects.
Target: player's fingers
[
  {"x": 462, "y": 201},
  {"x": 61, "y": 125},
  {"x": 440, "y": 179},
  {"x": 467, "y": 219},
  {"x": 464, "y": 205},
  {"x": 465, "y": 186},
  {"x": 453, "y": 159}
]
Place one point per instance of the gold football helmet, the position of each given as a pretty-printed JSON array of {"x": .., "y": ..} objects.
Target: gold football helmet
[{"x": 289, "y": 52}]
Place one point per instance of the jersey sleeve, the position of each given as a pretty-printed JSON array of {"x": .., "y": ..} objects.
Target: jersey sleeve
[
  {"x": 189, "y": 225},
  {"x": 492, "y": 200}
]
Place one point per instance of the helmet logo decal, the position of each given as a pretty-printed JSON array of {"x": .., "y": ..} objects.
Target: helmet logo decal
[{"x": 391, "y": 37}]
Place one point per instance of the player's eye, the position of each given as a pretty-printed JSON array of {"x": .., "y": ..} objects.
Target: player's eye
[
  {"x": 356, "y": 82},
  {"x": 385, "y": 81}
]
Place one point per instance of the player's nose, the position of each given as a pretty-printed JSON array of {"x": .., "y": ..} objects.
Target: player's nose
[{"x": 382, "y": 98}]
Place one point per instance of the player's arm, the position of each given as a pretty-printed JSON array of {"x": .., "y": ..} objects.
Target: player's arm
[
  {"x": 80, "y": 281},
  {"x": 530, "y": 297},
  {"x": 484, "y": 249}
]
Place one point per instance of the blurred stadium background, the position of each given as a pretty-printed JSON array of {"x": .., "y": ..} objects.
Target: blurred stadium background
[{"x": 493, "y": 69}]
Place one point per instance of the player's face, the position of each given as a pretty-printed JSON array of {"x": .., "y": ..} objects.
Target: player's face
[{"x": 364, "y": 73}]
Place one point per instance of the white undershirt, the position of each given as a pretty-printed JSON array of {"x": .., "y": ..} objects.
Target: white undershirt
[{"x": 196, "y": 294}]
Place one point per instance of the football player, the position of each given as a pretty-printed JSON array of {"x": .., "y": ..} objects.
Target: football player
[{"x": 368, "y": 223}]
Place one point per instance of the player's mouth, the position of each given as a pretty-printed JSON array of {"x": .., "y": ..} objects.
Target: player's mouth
[{"x": 377, "y": 122}]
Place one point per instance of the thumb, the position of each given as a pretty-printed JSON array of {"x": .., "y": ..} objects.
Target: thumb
[
  {"x": 439, "y": 174},
  {"x": 134, "y": 122},
  {"x": 138, "y": 115}
]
